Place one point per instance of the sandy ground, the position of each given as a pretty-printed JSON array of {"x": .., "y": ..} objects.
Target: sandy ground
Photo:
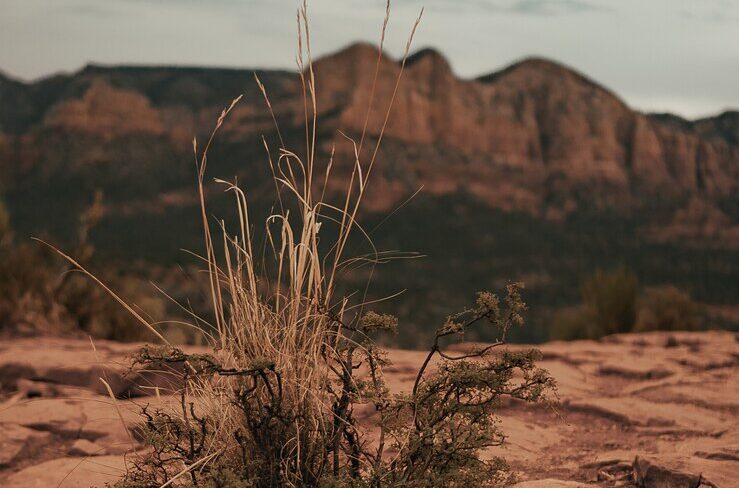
[{"x": 656, "y": 410}]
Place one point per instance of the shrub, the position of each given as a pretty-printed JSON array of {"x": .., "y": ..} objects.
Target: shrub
[
  {"x": 27, "y": 303},
  {"x": 667, "y": 308},
  {"x": 293, "y": 359},
  {"x": 247, "y": 425},
  {"x": 610, "y": 299},
  {"x": 94, "y": 312},
  {"x": 611, "y": 304},
  {"x": 573, "y": 323},
  {"x": 40, "y": 295},
  {"x": 35, "y": 300}
]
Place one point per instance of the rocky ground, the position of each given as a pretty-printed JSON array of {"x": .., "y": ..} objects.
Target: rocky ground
[{"x": 655, "y": 410}]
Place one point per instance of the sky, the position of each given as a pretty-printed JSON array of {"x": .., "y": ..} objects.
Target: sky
[{"x": 680, "y": 56}]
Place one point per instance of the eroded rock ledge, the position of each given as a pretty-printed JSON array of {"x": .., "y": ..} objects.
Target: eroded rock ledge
[{"x": 646, "y": 410}]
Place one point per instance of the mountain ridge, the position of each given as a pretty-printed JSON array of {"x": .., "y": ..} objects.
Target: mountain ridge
[
  {"x": 539, "y": 174},
  {"x": 105, "y": 68},
  {"x": 549, "y": 130}
]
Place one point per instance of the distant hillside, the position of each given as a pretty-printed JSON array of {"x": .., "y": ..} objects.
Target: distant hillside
[{"x": 532, "y": 172}]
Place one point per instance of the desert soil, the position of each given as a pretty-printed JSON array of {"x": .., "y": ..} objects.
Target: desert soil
[{"x": 656, "y": 410}]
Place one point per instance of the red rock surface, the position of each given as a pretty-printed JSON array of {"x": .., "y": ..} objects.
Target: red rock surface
[{"x": 670, "y": 400}]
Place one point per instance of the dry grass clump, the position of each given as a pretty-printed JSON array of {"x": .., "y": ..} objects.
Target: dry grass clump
[{"x": 273, "y": 403}]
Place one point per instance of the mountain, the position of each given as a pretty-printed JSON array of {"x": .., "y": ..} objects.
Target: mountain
[
  {"x": 549, "y": 138},
  {"x": 519, "y": 168},
  {"x": 549, "y": 131}
]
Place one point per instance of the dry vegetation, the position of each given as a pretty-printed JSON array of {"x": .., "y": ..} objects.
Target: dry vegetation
[
  {"x": 293, "y": 357},
  {"x": 612, "y": 303},
  {"x": 40, "y": 295}
]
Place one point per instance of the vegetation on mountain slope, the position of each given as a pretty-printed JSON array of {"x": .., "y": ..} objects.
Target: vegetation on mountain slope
[{"x": 613, "y": 303}]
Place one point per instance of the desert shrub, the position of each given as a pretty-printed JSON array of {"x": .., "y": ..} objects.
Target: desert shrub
[
  {"x": 608, "y": 306},
  {"x": 610, "y": 298},
  {"x": 94, "y": 312},
  {"x": 294, "y": 362},
  {"x": 26, "y": 285},
  {"x": 40, "y": 294},
  {"x": 247, "y": 430},
  {"x": 667, "y": 308},
  {"x": 26, "y": 292},
  {"x": 612, "y": 303},
  {"x": 573, "y": 323}
]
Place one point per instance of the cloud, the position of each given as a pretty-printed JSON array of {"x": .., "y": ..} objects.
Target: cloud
[
  {"x": 101, "y": 8},
  {"x": 711, "y": 11},
  {"x": 550, "y": 7},
  {"x": 211, "y": 4},
  {"x": 517, "y": 7}
]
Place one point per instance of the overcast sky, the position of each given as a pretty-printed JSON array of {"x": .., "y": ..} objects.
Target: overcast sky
[{"x": 659, "y": 55}]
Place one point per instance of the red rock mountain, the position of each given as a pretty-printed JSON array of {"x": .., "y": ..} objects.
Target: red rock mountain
[
  {"x": 520, "y": 138},
  {"x": 534, "y": 172},
  {"x": 527, "y": 134}
]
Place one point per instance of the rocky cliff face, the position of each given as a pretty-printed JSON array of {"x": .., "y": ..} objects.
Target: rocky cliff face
[
  {"x": 530, "y": 136},
  {"x": 536, "y": 136}
]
